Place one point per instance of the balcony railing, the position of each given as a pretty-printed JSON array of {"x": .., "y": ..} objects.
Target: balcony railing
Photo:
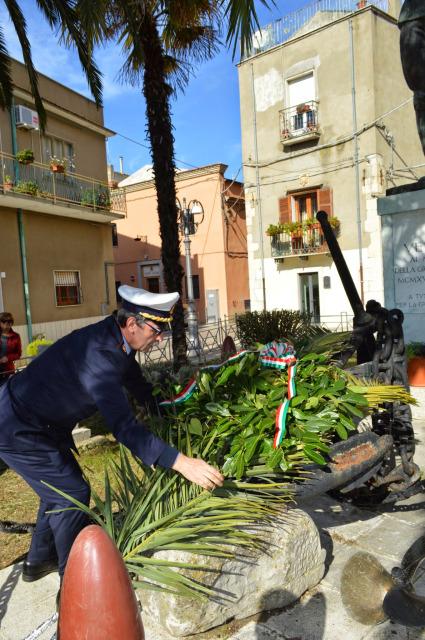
[
  {"x": 313, "y": 16},
  {"x": 300, "y": 243},
  {"x": 36, "y": 180},
  {"x": 299, "y": 123}
]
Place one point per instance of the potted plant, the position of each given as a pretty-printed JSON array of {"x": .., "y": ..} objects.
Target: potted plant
[
  {"x": 303, "y": 108},
  {"x": 273, "y": 230},
  {"x": 58, "y": 165},
  {"x": 29, "y": 187},
  {"x": 8, "y": 183},
  {"x": 415, "y": 354},
  {"x": 25, "y": 156}
]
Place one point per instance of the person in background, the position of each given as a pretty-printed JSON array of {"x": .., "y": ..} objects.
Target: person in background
[
  {"x": 88, "y": 370},
  {"x": 10, "y": 346}
]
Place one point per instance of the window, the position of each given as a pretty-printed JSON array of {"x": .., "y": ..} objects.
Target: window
[
  {"x": 153, "y": 285},
  {"x": 298, "y": 207},
  {"x": 305, "y": 206},
  {"x": 114, "y": 235},
  {"x": 51, "y": 146},
  {"x": 195, "y": 285},
  {"x": 301, "y": 90},
  {"x": 67, "y": 288}
]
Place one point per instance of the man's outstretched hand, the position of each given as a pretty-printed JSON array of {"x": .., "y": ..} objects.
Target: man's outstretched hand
[{"x": 198, "y": 471}]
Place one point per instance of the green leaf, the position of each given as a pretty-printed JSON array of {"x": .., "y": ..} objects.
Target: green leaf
[
  {"x": 225, "y": 375},
  {"x": 341, "y": 431},
  {"x": 312, "y": 403},
  {"x": 195, "y": 426},
  {"x": 315, "y": 456},
  {"x": 214, "y": 407}
]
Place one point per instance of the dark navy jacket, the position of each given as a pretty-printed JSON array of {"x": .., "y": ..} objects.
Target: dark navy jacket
[{"x": 81, "y": 373}]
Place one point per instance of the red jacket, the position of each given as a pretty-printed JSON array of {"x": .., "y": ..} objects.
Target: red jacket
[{"x": 13, "y": 352}]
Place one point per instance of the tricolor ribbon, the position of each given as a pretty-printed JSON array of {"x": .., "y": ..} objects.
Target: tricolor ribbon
[
  {"x": 279, "y": 354},
  {"x": 182, "y": 396},
  {"x": 276, "y": 354}
]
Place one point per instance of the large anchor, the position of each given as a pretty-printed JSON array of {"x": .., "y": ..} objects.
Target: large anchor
[{"x": 371, "y": 594}]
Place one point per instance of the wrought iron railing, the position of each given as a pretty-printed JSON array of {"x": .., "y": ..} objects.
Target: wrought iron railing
[
  {"x": 299, "y": 121},
  {"x": 306, "y": 241},
  {"x": 210, "y": 336},
  {"x": 308, "y": 18},
  {"x": 36, "y": 180}
]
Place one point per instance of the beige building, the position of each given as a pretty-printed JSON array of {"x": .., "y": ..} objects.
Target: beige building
[
  {"x": 56, "y": 260},
  {"x": 327, "y": 123},
  {"x": 218, "y": 248}
]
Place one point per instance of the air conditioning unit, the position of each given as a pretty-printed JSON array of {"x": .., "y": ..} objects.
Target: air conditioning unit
[{"x": 26, "y": 118}]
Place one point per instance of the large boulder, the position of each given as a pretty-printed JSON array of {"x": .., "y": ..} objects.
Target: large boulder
[{"x": 289, "y": 562}]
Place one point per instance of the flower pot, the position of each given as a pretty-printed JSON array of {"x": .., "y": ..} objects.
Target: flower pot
[
  {"x": 416, "y": 371},
  {"x": 57, "y": 168},
  {"x": 7, "y": 186}
]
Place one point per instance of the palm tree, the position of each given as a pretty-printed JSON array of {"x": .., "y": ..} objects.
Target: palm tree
[
  {"x": 160, "y": 39},
  {"x": 62, "y": 15}
]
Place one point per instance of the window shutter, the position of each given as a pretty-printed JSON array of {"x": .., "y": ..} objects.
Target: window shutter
[
  {"x": 324, "y": 201},
  {"x": 284, "y": 210}
]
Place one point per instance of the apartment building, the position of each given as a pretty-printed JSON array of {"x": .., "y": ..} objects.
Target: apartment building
[
  {"x": 218, "y": 251},
  {"x": 56, "y": 211},
  {"x": 327, "y": 124}
]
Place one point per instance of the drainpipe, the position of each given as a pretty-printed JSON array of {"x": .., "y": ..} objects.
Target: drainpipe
[
  {"x": 22, "y": 245},
  {"x": 356, "y": 159},
  {"x": 257, "y": 182}
]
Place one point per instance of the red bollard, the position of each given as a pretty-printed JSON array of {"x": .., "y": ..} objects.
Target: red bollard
[{"x": 97, "y": 601}]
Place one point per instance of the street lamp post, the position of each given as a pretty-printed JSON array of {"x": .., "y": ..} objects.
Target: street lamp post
[{"x": 190, "y": 217}]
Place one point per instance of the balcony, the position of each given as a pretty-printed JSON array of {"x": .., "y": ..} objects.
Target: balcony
[
  {"x": 36, "y": 187},
  {"x": 300, "y": 123},
  {"x": 305, "y": 20},
  {"x": 302, "y": 243}
]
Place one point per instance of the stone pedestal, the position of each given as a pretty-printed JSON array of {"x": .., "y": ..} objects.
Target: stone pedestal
[
  {"x": 403, "y": 236},
  {"x": 290, "y": 562}
]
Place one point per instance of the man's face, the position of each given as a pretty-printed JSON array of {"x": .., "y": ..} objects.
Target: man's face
[{"x": 141, "y": 338}]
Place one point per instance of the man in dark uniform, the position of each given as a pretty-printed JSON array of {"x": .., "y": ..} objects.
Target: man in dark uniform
[
  {"x": 86, "y": 371},
  {"x": 412, "y": 50}
]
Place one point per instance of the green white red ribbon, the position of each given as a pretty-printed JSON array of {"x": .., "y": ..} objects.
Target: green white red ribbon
[
  {"x": 182, "y": 396},
  {"x": 277, "y": 354}
]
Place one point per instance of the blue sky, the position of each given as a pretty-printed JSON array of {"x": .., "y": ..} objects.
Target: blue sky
[{"x": 205, "y": 117}]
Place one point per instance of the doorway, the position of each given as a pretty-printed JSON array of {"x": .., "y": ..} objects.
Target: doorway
[{"x": 310, "y": 302}]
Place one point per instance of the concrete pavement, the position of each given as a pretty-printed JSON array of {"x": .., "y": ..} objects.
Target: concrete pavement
[{"x": 27, "y": 610}]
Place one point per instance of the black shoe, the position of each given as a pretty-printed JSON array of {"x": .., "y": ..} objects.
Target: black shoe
[{"x": 34, "y": 571}]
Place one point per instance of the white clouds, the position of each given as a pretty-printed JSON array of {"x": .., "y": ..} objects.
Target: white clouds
[{"x": 60, "y": 63}]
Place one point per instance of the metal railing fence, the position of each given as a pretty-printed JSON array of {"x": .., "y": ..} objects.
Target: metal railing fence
[
  {"x": 211, "y": 337},
  {"x": 36, "y": 180},
  {"x": 312, "y": 16}
]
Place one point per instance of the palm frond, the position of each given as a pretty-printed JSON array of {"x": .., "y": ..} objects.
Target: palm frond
[
  {"x": 20, "y": 27},
  {"x": 322, "y": 341},
  {"x": 6, "y": 85},
  {"x": 242, "y": 21},
  {"x": 141, "y": 520},
  {"x": 377, "y": 394},
  {"x": 81, "y": 26}
]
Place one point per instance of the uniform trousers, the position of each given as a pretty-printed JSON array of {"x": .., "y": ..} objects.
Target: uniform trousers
[{"x": 37, "y": 453}]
